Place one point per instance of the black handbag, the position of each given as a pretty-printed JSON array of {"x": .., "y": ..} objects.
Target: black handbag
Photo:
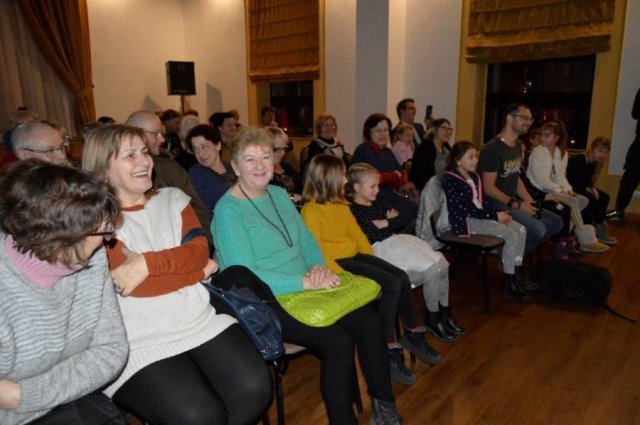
[{"x": 255, "y": 317}]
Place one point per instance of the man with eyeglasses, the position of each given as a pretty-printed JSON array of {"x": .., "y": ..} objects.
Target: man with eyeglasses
[
  {"x": 406, "y": 110},
  {"x": 499, "y": 166},
  {"x": 39, "y": 140},
  {"x": 167, "y": 172}
]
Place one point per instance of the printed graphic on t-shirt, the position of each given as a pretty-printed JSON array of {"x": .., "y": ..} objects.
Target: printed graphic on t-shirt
[{"x": 511, "y": 166}]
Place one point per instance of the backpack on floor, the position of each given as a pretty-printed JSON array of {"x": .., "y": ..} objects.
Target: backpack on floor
[{"x": 578, "y": 282}]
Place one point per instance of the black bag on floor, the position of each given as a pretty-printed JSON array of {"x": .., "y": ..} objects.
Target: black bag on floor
[{"x": 579, "y": 282}]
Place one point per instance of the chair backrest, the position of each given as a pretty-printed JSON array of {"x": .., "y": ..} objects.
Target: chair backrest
[{"x": 433, "y": 219}]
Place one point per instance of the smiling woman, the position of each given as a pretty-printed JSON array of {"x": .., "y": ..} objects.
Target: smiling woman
[
  {"x": 181, "y": 348},
  {"x": 56, "y": 292}
]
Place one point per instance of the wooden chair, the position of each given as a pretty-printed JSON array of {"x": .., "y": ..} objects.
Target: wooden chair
[
  {"x": 483, "y": 244},
  {"x": 280, "y": 366}
]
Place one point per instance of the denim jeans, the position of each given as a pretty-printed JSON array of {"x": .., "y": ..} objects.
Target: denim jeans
[{"x": 538, "y": 229}]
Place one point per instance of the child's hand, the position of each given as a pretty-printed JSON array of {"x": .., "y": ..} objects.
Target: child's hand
[
  {"x": 504, "y": 217},
  {"x": 392, "y": 213},
  {"x": 380, "y": 224}
]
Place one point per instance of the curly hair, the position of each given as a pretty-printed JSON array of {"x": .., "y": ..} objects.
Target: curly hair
[{"x": 50, "y": 209}]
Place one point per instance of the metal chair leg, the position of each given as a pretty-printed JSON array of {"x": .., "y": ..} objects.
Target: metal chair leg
[{"x": 485, "y": 283}]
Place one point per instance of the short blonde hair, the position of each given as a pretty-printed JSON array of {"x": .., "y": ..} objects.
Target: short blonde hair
[
  {"x": 249, "y": 136},
  {"x": 323, "y": 118},
  {"x": 402, "y": 128},
  {"x": 324, "y": 180}
]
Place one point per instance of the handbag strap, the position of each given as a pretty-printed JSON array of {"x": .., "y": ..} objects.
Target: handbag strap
[{"x": 194, "y": 233}]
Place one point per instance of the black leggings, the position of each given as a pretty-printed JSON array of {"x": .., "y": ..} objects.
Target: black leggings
[
  {"x": 223, "y": 381},
  {"x": 334, "y": 345},
  {"x": 596, "y": 209},
  {"x": 396, "y": 297}
]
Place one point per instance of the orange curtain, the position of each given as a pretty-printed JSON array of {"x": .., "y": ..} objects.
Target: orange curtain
[
  {"x": 283, "y": 40},
  {"x": 517, "y": 30},
  {"x": 61, "y": 31}
]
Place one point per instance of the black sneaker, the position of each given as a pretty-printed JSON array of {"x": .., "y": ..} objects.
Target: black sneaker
[
  {"x": 417, "y": 345},
  {"x": 615, "y": 215},
  {"x": 399, "y": 373}
]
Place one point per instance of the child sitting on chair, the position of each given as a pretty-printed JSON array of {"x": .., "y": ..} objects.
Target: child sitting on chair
[{"x": 407, "y": 252}]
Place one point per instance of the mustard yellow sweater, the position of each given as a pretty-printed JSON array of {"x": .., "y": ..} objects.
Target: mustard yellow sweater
[{"x": 336, "y": 231}]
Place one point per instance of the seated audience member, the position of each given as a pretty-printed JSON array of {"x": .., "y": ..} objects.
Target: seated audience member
[
  {"x": 325, "y": 142},
  {"x": 283, "y": 174},
  {"x": 257, "y": 226},
  {"x": 105, "y": 120},
  {"x": 88, "y": 127},
  {"x": 344, "y": 247},
  {"x": 187, "y": 364},
  {"x": 210, "y": 176},
  {"x": 424, "y": 266},
  {"x": 582, "y": 172},
  {"x": 167, "y": 172},
  {"x": 406, "y": 110},
  {"x": 395, "y": 189},
  {"x": 547, "y": 172},
  {"x": 39, "y": 140},
  {"x": 21, "y": 115},
  {"x": 471, "y": 213},
  {"x": 171, "y": 122},
  {"x": 62, "y": 336},
  {"x": 403, "y": 145},
  {"x": 227, "y": 125},
  {"x": 268, "y": 117},
  {"x": 186, "y": 158},
  {"x": 499, "y": 167},
  {"x": 431, "y": 156}
]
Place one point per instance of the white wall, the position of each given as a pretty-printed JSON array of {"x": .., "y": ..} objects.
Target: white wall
[
  {"x": 340, "y": 66},
  {"x": 432, "y": 53},
  {"x": 216, "y": 41},
  {"x": 130, "y": 42},
  {"x": 628, "y": 84}
]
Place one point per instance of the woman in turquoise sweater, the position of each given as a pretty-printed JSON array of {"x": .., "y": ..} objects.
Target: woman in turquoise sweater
[{"x": 256, "y": 225}]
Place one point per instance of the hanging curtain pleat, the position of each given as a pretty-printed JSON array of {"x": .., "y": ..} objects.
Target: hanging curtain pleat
[
  {"x": 61, "y": 31},
  {"x": 517, "y": 30},
  {"x": 283, "y": 40}
]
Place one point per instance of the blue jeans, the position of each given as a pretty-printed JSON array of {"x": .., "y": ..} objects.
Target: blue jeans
[{"x": 538, "y": 229}]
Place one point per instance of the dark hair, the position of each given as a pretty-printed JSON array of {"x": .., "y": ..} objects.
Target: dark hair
[
  {"x": 266, "y": 109},
  {"x": 49, "y": 209},
  {"x": 217, "y": 118},
  {"x": 371, "y": 122},
  {"x": 170, "y": 114},
  {"x": 511, "y": 109},
  {"x": 402, "y": 105},
  {"x": 458, "y": 150},
  {"x": 205, "y": 130},
  {"x": 106, "y": 120},
  {"x": 557, "y": 128}
]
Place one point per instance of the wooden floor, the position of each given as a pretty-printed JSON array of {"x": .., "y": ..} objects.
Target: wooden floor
[{"x": 542, "y": 363}]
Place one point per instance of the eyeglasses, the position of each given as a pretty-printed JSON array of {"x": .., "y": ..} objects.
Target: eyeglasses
[
  {"x": 446, "y": 128},
  {"x": 156, "y": 134},
  {"x": 107, "y": 233},
  {"x": 524, "y": 117},
  {"x": 51, "y": 151}
]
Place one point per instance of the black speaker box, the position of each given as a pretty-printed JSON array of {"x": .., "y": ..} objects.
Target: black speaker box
[{"x": 181, "y": 78}]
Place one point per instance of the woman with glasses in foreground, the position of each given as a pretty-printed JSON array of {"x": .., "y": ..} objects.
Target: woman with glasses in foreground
[
  {"x": 188, "y": 364},
  {"x": 61, "y": 332}
]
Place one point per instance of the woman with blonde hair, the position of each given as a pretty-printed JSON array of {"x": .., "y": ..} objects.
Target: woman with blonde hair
[
  {"x": 325, "y": 142},
  {"x": 547, "y": 173},
  {"x": 403, "y": 144},
  {"x": 187, "y": 363}
]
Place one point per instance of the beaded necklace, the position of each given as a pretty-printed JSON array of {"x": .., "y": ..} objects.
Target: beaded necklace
[{"x": 287, "y": 237}]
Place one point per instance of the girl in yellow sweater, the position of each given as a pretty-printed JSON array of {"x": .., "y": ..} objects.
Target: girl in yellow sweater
[{"x": 344, "y": 246}]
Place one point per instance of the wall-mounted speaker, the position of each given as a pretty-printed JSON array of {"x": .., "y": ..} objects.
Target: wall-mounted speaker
[{"x": 181, "y": 78}]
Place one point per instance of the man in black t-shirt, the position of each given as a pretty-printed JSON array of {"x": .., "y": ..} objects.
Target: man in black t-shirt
[{"x": 499, "y": 166}]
